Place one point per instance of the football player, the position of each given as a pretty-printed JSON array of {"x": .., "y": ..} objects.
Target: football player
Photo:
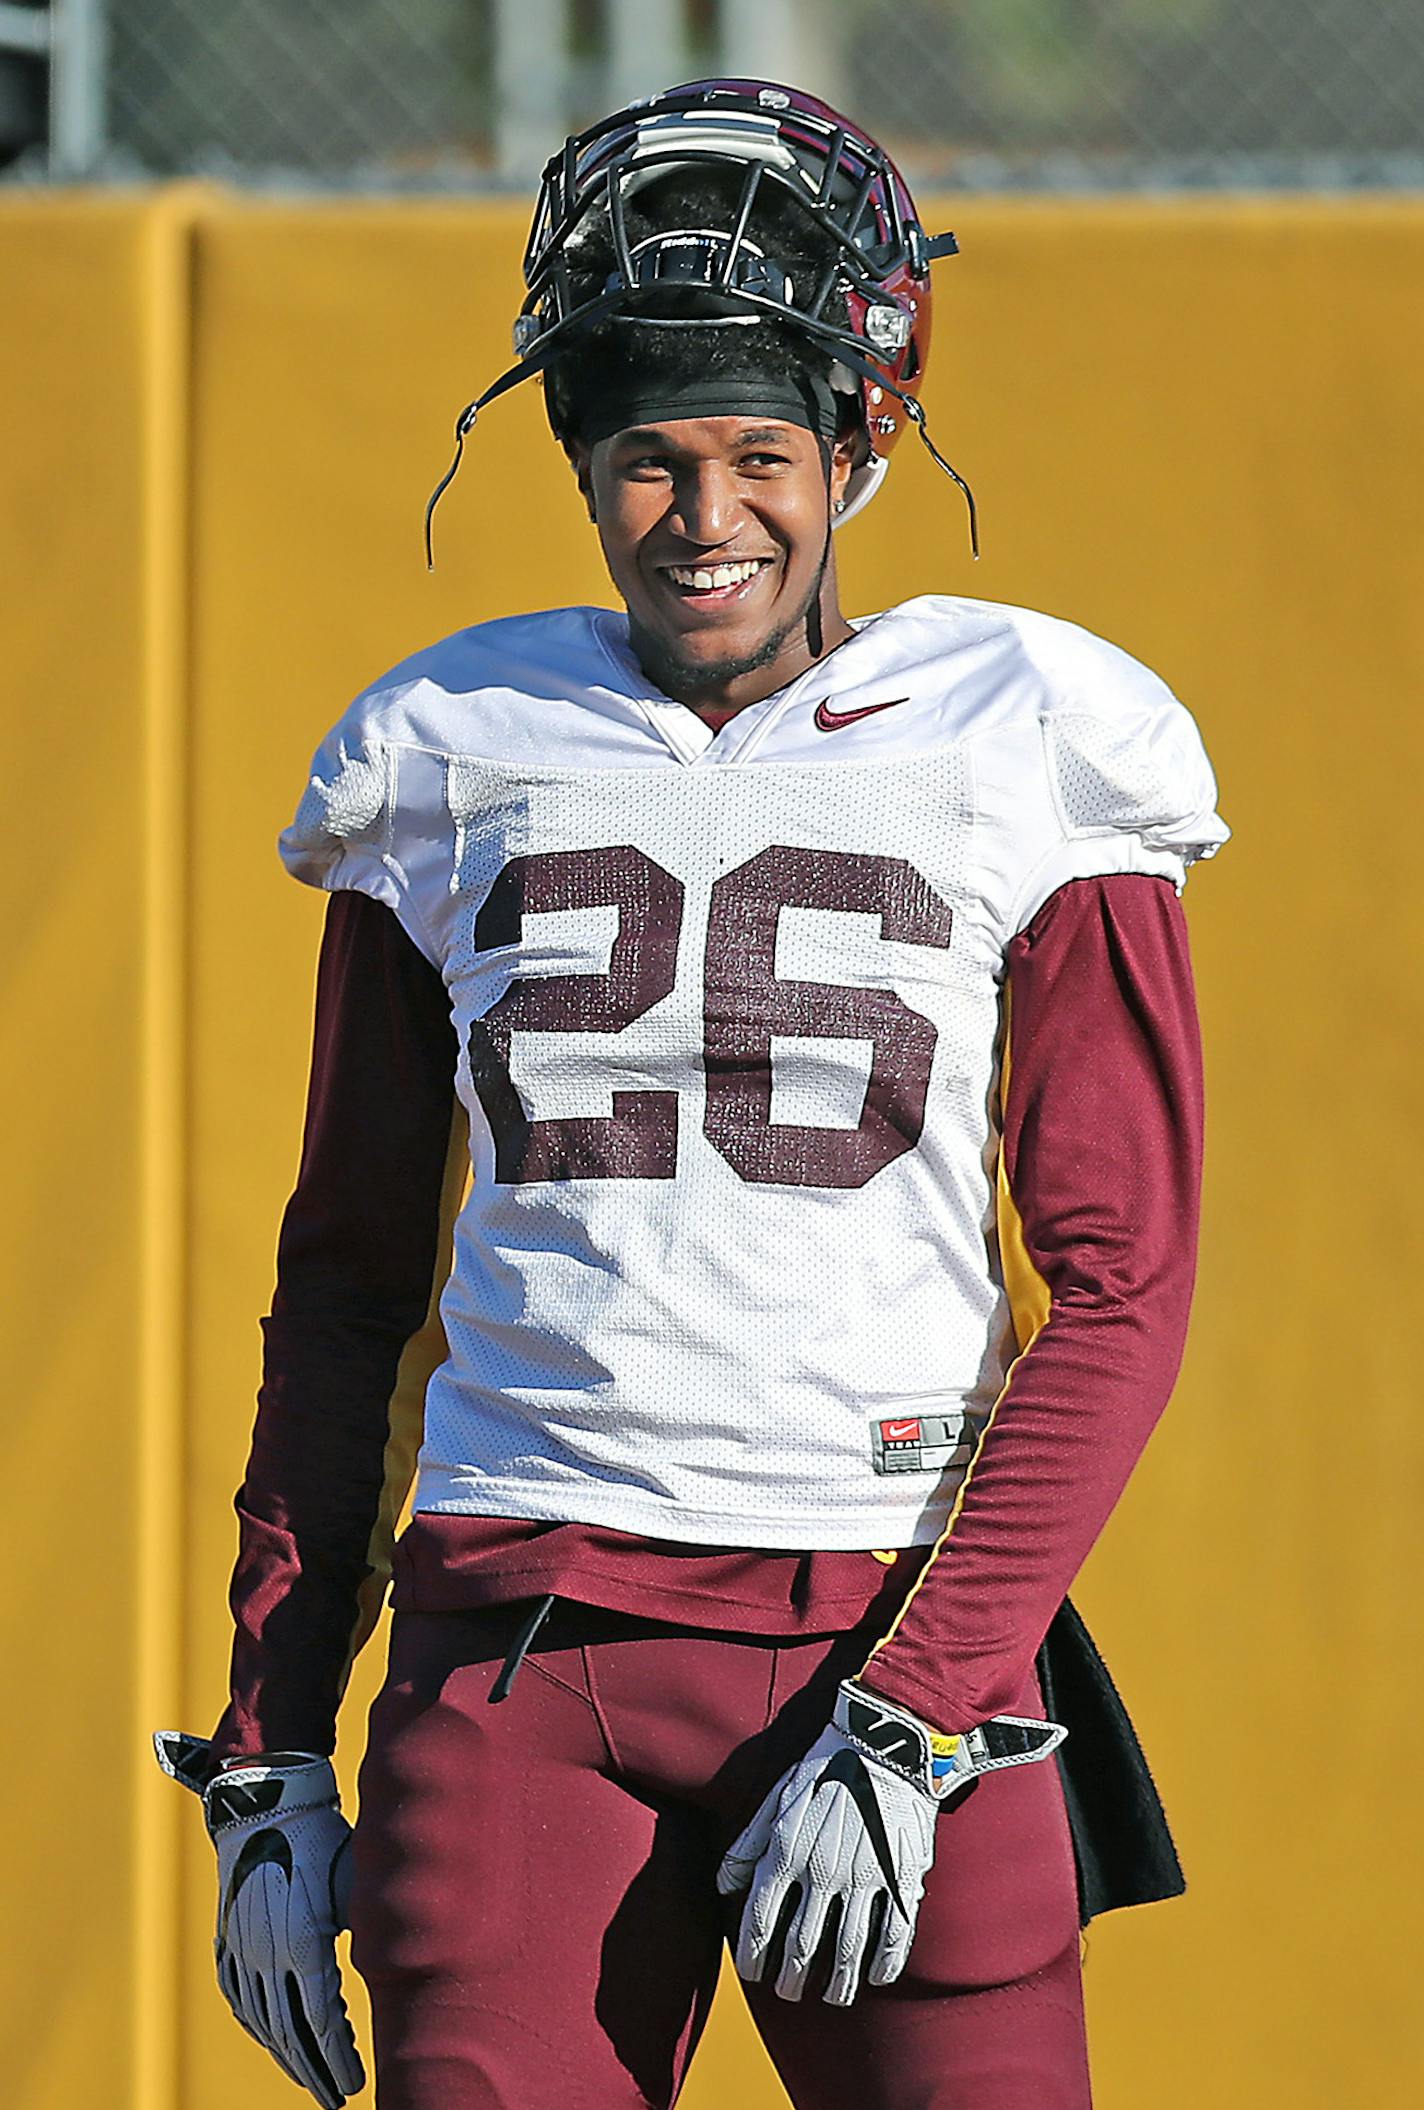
[{"x": 810, "y": 997}]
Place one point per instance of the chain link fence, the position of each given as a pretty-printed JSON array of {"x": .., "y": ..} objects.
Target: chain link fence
[
  {"x": 1109, "y": 91},
  {"x": 1065, "y": 93},
  {"x": 333, "y": 88}
]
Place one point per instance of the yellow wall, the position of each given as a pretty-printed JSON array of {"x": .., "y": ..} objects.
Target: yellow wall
[{"x": 1195, "y": 426}]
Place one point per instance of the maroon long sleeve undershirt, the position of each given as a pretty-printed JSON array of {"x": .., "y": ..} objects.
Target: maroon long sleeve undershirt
[
  {"x": 1102, "y": 1143},
  {"x": 355, "y": 1267}
]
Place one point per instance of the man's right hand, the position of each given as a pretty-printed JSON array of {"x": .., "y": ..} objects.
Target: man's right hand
[{"x": 283, "y": 1880}]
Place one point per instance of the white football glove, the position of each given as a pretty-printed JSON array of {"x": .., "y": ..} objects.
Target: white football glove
[
  {"x": 852, "y": 1827},
  {"x": 283, "y": 1882}
]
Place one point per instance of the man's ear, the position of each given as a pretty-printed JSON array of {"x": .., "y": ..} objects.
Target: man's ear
[
  {"x": 580, "y": 459},
  {"x": 848, "y": 450}
]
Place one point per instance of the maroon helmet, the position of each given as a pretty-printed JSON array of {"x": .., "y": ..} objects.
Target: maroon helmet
[{"x": 878, "y": 279}]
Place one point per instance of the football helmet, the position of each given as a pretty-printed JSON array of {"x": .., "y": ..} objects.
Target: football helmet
[{"x": 769, "y": 136}]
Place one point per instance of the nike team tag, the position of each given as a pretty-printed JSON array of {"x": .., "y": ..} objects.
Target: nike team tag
[{"x": 922, "y": 1443}]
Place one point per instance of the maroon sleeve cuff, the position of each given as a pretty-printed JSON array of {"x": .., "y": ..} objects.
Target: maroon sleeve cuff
[
  {"x": 1102, "y": 1130},
  {"x": 356, "y": 1265}
]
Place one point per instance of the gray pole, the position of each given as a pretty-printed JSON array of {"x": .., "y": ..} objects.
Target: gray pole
[
  {"x": 795, "y": 41},
  {"x": 647, "y": 49},
  {"x": 531, "y": 84},
  {"x": 78, "y": 97}
]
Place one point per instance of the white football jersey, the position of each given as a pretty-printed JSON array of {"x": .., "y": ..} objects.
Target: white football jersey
[{"x": 727, "y": 1009}]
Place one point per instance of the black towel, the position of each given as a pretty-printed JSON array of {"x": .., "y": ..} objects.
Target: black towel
[{"x": 1121, "y": 1842}]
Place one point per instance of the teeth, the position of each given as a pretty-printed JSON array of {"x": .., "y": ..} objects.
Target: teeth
[{"x": 703, "y": 580}]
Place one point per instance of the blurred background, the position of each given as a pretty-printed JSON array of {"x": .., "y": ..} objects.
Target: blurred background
[
  {"x": 989, "y": 93},
  {"x": 254, "y": 255}
]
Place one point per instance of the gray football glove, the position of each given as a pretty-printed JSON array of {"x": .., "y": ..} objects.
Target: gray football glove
[
  {"x": 852, "y": 1826},
  {"x": 283, "y": 1881}
]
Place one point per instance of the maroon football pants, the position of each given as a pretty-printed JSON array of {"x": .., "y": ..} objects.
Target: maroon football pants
[{"x": 536, "y": 1912}]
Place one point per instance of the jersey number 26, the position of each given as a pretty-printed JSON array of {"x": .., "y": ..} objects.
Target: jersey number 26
[{"x": 745, "y": 1004}]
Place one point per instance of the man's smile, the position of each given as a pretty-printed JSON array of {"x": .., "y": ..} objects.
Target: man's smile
[{"x": 715, "y": 583}]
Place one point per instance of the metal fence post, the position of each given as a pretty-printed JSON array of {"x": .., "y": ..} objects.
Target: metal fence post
[
  {"x": 782, "y": 40},
  {"x": 78, "y": 99},
  {"x": 647, "y": 49},
  {"x": 531, "y": 84}
]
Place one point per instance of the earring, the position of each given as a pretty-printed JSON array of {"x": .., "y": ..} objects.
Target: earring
[{"x": 840, "y": 505}]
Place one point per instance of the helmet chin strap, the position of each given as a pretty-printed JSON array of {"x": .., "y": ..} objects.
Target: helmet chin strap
[
  {"x": 464, "y": 426},
  {"x": 535, "y": 361},
  {"x": 815, "y": 634},
  {"x": 915, "y": 411},
  {"x": 917, "y": 419},
  {"x": 815, "y": 625}
]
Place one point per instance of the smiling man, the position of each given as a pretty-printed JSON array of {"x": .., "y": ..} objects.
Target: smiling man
[
  {"x": 727, "y": 585},
  {"x": 810, "y": 999}
]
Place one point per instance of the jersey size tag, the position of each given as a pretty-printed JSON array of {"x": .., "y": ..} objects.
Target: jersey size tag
[{"x": 921, "y": 1443}]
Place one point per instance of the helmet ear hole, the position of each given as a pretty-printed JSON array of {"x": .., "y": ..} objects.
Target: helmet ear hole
[
  {"x": 865, "y": 480},
  {"x": 853, "y": 434}
]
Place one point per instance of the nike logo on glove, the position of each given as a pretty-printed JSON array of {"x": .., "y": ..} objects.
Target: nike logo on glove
[
  {"x": 268, "y": 1849},
  {"x": 829, "y": 721},
  {"x": 850, "y": 1771}
]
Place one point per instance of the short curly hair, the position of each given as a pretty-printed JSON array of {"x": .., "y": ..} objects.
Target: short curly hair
[{"x": 616, "y": 353}]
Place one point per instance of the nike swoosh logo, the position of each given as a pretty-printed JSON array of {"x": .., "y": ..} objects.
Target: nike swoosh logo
[
  {"x": 829, "y": 721},
  {"x": 269, "y": 1849},
  {"x": 848, "y": 1768},
  {"x": 901, "y": 1429}
]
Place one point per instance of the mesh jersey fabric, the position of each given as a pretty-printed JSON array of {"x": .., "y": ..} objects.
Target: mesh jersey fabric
[
  {"x": 1104, "y": 1046},
  {"x": 727, "y": 1009}
]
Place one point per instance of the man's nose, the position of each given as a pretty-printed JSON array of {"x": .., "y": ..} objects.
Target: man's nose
[{"x": 706, "y": 504}]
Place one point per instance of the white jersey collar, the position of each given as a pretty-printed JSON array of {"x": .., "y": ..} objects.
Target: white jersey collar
[{"x": 689, "y": 737}]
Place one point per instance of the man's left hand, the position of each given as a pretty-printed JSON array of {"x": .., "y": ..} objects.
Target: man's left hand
[{"x": 852, "y": 1828}]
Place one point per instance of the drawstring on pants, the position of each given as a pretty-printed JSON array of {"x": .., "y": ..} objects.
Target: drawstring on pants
[{"x": 519, "y": 1648}]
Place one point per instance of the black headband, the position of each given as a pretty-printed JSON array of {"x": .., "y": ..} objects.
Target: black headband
[{"x": 804, "y": 399}]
